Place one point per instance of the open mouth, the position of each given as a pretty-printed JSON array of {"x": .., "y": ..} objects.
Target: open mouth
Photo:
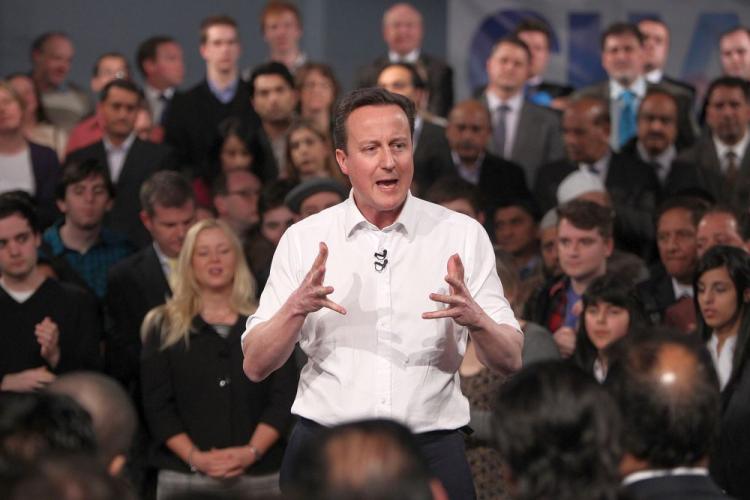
[{"x": 387, "y": 183}]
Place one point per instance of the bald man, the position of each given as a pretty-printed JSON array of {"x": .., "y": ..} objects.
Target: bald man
[
  {"x": 403, "y": 32},
  {"x": 631, "y": 183}
]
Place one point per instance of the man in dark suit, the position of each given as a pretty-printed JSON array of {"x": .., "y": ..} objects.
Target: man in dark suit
[
  {"x": 724, "y": 149},
  {"x": 631, "y": 184},
  {"x": 523, "y": 132},
  {"x": 402, "y": 32},
  {"x": 191, "y": 125},
  {"x": 656, "y": 50},
  {"x": 130, "y": 160},
  {"x": 623, "y": 59},
  {"x": 668, "y": 394}
]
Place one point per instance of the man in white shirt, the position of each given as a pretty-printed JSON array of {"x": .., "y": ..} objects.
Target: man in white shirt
[{"x": 380, "y": 342}]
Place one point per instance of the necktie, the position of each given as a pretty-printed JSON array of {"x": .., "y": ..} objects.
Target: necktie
[
  {"x": 501, "y": 129},
  {"x": 732, "y": 168},
  {"x": 165, "y": 104},
  {"x": 626, "y": 125}
]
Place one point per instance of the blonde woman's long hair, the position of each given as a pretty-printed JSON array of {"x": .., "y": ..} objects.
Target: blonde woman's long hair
[{"x": 173, "y": 320}]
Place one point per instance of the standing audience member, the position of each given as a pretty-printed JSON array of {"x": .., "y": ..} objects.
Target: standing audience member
[
  {"x": 159, "y": 59},
  {"x": 720, "y": 225},
  {"x": 318, "y": 90},
  {"x": 667, "y": 394},
  {"x": 49, "y": 327},
  {"x": 232, "y": 436},
  {"x": 656, "y": 40},
  {"x": 281, "y": 27},
  {"x": 310, "y": 153},
  {"x": 734, "y": 50}
]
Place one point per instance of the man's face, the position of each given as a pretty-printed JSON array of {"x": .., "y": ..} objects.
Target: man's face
[
  {"x": 240, "y": 205},
  {"x": 318, "y": 202},
  {"x": 585, "y": 141},
  {"x": 539, "y": 47},
  {"x": 728, "y": 114},
  {"x": 53, "y": 60},
  {"x": 508, "y": 68},
  {"x": 655, "y": 44},
  {"x": 109, "y": 68},
  {"x": 169, "y": 225},
  {"x": 378, "y": 159},
  {"x": 735, "y": 54},
  {"x": 282, "y": 31},
  {"x": 515, "y": 230},
  {"x": 718, "y": 228},
  {"x": 678, "y": 245},
  {"x": 657, "y": 123},
  {"x": 275, "y": 223},
  {"x": 18, "y": 247},
  {"x": 622, "y": 58},
  {"x": 402, "y": 29},
  {"x": 398, "y": 80},
  {"x": 583, "y": 252},
  {"x": 85, "y": 203},
  {"x": 119, "y": 112},
  {"x": 548, "y": 244},
  {"x": 468, "y": 132},
  {"x": 221, "y": 50},
  {"x": 168, "y": 67},
  {"x": 274, "y": 99}
]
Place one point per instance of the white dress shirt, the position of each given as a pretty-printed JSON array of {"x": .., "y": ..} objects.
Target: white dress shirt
[
  {"x": 681, "y": 290},
  {"x": 381, "y": 359},
  {"x": 411, "y": 58},
  {"x": 722, "y": 359},
  {"x": 642, "y": 475},
  {"x": 512, "y": 117},
  {"x": 116, "y": 155},
  {"x": 17, "y": 172},
  {"x": 739, "y": 150}
]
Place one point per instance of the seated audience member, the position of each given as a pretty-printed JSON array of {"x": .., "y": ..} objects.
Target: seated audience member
[
  {"x": 236, "y": 194},
  {"x": 516, "y": 228},
  {"x": 281, "y": 27},
  {"x": 584, "y": 241},
  {"x": 548, "y": 245},
  {"x": 25, "y": 165},
  {"x": 84, "y": 195},
  {"x": 656, "y": 40},
  {"x": 458, "y": 195},
  {"x": 309, "y": 153},
  {"x": 468, "y": 132},
  {"x": 108, "y": 67},
  {"x": 365, "y": 460},
  {"x": 315, "y": 195},
  {"x": 722, "y": 294},
  {"x": 719, "y": 225},
  {"x": 667, "y": 394},
  {"x": 432, "y": 156},
  {"x": 734, "y": 51},
  {"x": 274, "y": 98},
  {"x": 668, "y": 293},
  {"x": 232, "y": 436},
  {"x": 49, "y": 327},
  {"x": 159, "y": 60},
  {"x": 557, "y": 432},
  {"x": 318, "y": 90},
  {"x": 36, "y": 126},
  {"x": 632, "y": 185},
  {"x": 112, "y": 414},
  {"x": 611, "y": 311},
  {"x": 129, "y": 159},
  {"x": 64, "y": 102},
  {"x": 724, "y": 150}
]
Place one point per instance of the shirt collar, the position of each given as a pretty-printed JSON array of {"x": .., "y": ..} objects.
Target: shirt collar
[
  {"x": 681, "y": 290},
  {"x": 125, "y": 146},
  {"x": 515, "y": 102},
  {"x": 227, "y": 93},
  {"x": 406, "y": 221},
  {"x": 412, "y": 57},
  {"x": 652, "y": 473},
  {"x": 154, "y": 94},
  {"x": 638, "y": 88},
  {"x": 664, "y": 158},
  {"x": 722, "y": 149},
  {"x": 655, "y": 75}
]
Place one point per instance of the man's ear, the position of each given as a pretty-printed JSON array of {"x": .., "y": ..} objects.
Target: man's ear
[{"x": 341, "y": 159}]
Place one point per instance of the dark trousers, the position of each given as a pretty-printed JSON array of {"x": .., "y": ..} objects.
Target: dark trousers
[{"x": 444, "y": 451}]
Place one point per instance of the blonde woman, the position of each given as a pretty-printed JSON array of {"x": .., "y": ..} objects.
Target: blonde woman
[{"x": 217, "y": 431}]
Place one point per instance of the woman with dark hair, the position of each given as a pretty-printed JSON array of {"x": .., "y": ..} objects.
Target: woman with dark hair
[
  {"x": 722, "y": 294},
  {"x": 318, "y": 90},
  {"x": 611, "y": 310},
  {"x": 310, "y": 154}
]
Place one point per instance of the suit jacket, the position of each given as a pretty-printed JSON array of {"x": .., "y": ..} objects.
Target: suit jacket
[
  {"x": 656, "y": 294},
  {"x": 432, "y": 156},
  {"x": 538, "y": 139},
  {"x": 143, "y": 159},
  {"x": 634, "y": 189},
  {"x": 439, "y": 80},
  {"x": 688, "y": 487},
  {"x": 686, "y": 126},
  {"x": 703, "y": 153},
  {"x": 134, "y": 286},
  {"x": 683, "y": 85},
  {"x": 46, "y": 171}
]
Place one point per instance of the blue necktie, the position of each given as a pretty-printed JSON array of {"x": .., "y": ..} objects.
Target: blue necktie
[{"x": 626, "y": 127}]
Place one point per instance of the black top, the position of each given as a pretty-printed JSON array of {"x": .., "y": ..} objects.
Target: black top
[{"x": 201, "y": 389}]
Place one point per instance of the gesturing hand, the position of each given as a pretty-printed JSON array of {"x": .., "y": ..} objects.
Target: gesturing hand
[
  {"x": 312, "y": 295},
  {"x": 47, "y": 335},
  {"x": 463, "y": 309}
]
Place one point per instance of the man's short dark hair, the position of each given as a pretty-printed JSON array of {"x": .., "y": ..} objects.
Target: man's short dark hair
[
  {"x": 417, "y": 80},
  {"x": 731, "y": 82},
  {"x": 166, "y": 188},
  {"x": 271, "y": 68},
  {"x": 148, "y": 48},
  {"x": 360, "y": 98},
  {"x": 211, "y": 21},
  {"x": 123, "y": 84},
  {"x": 587, "y": 215},
  {"x": 76, "y": 171},
  {"x": 734, "y": 29},
  {"x": 620, "y": 29},
  {"x": 95, "y": 68},
  {"x": 449, "y": 188},
  {"x": 21, "y": 204},
  {"x": 525, "y": 202},
  {"x": 531, "y": 24},
  {"x": 39, "y": 42},
  {"x": 667, "y": 422},
  {"x": 557, "y": 430},
  {"x": 512, "y": 40},
  {"x": 273, "y": 195},
  {"x": 695, "y": 206},
  {"x": 659, "y": 89}
]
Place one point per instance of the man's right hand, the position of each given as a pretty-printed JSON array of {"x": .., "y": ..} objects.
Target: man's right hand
[
  {"x": 33, "y": 379},
  {"x": 312, "y": 295}
]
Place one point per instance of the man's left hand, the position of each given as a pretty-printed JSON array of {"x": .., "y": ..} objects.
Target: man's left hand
[{"x": 463, "y": 309}]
